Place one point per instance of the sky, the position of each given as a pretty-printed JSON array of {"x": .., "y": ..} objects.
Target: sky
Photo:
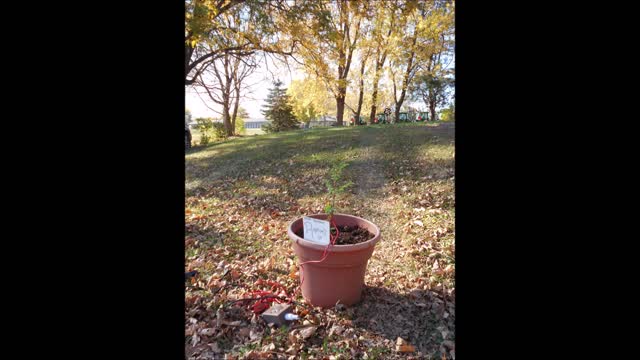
[{"x": 261, "y": 80}]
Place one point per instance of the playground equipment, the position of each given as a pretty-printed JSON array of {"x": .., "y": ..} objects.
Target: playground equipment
[
  {"x": 423, "y": 116},
  {"x": 361, "y": 121}
]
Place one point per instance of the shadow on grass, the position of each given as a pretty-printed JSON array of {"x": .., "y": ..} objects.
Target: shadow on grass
[
  {"x": 375, "y": 149},
  {"x": 415, "y": 317}
]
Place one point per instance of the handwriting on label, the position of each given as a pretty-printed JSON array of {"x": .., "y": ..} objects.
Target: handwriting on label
[{"x": 315, "y": 230}]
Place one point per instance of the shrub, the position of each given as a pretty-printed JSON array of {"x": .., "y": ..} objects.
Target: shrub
[
  {"x": 204, "y": 126},
  {"x": 219, "y": 131}
]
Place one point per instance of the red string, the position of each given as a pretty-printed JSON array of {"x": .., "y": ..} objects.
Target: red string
[
  {"x": 263, "y": 304},
  {"x": 332, "y": 241}
]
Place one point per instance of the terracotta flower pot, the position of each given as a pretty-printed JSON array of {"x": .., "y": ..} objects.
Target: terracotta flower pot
[{"x": 340, "y": 277}]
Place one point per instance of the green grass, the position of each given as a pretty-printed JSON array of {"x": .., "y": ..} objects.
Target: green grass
[{"x": 195, "y": 135}]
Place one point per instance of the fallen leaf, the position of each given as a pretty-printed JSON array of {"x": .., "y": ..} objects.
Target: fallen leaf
[
  {"x": 235, "y": 274},
  {"x": 405, "y": 348},
  {"x": 244, "y": 332},
  {"x": 419, "y": 223},
  {"x": 308, "y": 332},
  {"x": 207, "y": 331},
  {"x": 291, "y": 350},
  {"x": 254, "y": 335},
  {"x": 336, "y": 329},
  {"x": 232, "y": 323},
  {"x": 219, "y": 317}
]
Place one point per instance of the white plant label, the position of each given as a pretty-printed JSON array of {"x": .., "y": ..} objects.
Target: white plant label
[{"x": 315, "y": 230}]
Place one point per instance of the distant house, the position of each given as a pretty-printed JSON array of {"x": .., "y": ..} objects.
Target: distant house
[
  {"x": 323, "y": 121},
  {"x": 248, "y": 124},
  {"x": 255, "y": 123}
]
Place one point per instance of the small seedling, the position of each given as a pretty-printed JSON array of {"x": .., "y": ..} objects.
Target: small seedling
[{"x": 335, "y": 185}]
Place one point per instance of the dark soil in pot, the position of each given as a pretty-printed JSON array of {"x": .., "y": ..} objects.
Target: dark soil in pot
[{"x": 349, "y": 235}]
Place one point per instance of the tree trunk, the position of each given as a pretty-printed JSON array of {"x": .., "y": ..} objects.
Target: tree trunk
[
  {"x": 432, "y": 110},
  {"x": 235, "y": 111},
  {"x": 405, "y": 79},
  {"x": 339, "y": 109},
  {"x": 226, "y": 119},
  {"x": 361, "y": 94},
  {"x": 374, "y": 94}
]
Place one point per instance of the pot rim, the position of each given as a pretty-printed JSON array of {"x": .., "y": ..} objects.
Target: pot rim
[{"x": 336, "y": 248}]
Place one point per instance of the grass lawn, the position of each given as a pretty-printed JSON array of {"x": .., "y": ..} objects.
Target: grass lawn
[
  {"x": 242, "y": 193},
  {"x": 195, "y": 134}
]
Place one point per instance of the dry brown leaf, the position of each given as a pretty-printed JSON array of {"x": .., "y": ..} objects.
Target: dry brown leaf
[
  {"x": 219, "y": 317},
  {"x": 207, "y": 331},
  {"x": 244, "y": 332},
  {"x": 254, "y": 335},
  {"x": 233, "y": 323},
  {"x": 308, "y": 332},
  {"x": 405, "y": 348},
  {"x": 235, "y": 274}
]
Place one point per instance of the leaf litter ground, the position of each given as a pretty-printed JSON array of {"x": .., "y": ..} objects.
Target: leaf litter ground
[{"x": 242, "y": 194}]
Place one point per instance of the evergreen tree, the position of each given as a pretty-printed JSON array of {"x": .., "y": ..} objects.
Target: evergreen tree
[{"x": 278, "y": 110}]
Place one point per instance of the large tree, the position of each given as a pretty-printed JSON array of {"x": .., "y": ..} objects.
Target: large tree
[
  {"x": 383, "y": 27},
  {"x": 209, "y": 36},
  {"x": 424, "y": 51},
  {"x": 327, "y": 33},
  {"x": 223, "y": 83},
  {"x": 310, "y": 99}
]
